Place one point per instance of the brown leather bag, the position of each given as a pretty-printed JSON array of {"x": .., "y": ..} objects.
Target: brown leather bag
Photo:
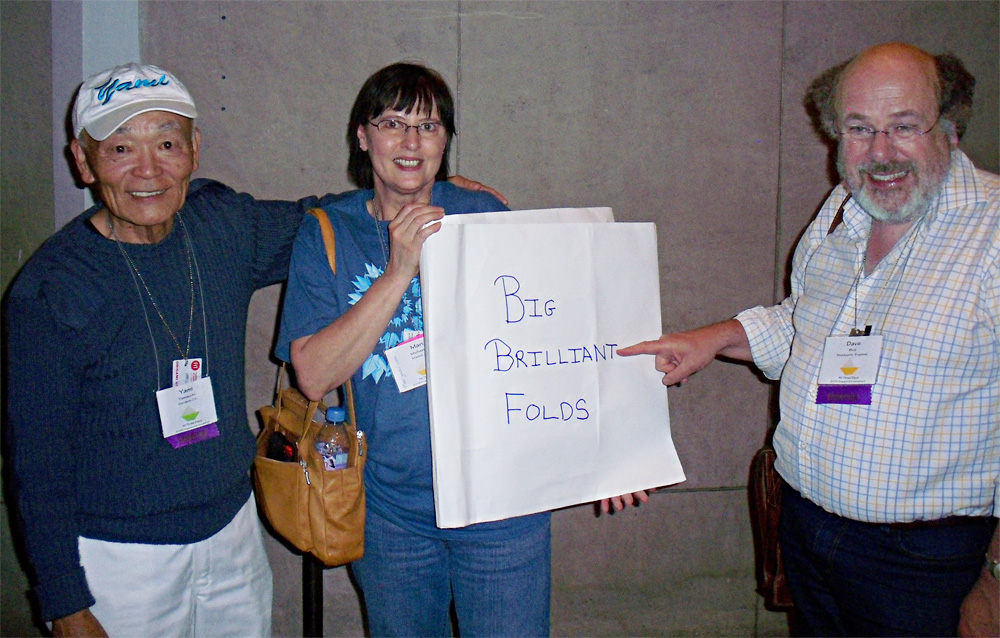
[
  {"x": 318, "y": 511},
  {"x": 764, "y": 487}
]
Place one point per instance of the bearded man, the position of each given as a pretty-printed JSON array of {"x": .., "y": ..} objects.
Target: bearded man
[{"x": 888, "y": 351}]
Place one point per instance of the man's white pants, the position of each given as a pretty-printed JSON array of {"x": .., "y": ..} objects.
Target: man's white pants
[{"x": 220, "y": 586}]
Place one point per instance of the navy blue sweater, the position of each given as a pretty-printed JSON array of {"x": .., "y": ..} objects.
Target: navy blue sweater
[{"x": 87, "y": 453}]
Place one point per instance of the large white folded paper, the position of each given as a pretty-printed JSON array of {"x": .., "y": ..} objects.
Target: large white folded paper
[{"x": 531, "y": 407}]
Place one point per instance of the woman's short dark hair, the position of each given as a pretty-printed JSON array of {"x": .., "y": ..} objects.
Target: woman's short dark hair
[
  {"x": 955, "y": 88},
  {"x": 403, "y": 86}
]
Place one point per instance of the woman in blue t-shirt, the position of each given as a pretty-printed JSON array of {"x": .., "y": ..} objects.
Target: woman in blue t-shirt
[{"x": 338, "y": 326}]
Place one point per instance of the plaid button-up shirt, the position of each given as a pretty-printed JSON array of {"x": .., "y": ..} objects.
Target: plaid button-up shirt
[{"x": 928, "y": 446}]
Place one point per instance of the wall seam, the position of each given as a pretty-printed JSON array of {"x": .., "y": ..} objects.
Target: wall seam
[
  {"x": 458, "y": 87},
  {"x": 777, "y": 283}
]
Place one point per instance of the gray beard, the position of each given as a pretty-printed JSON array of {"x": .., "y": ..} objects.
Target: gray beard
[{"x": 913, "y": 208}]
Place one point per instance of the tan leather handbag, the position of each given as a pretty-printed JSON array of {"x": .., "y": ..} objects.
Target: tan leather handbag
[{"x": 318, "y": 511}]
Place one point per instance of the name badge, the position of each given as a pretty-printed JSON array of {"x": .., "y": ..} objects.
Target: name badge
[
  {"x": 187, "y": 413},
  {"x": 849, "y": 369},
  {"x": 407, "y": 364}
]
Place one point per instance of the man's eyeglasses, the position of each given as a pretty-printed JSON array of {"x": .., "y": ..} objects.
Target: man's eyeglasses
[
  {"x": 399, "y": 128},
  {"x": 899, "y": 132}
]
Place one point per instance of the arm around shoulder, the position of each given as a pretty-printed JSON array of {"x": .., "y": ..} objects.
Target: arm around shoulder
[{"x": 472, "y": 185}]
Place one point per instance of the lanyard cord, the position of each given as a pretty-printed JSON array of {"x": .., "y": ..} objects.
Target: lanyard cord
[
  {"x": 908, "y": 248},
  {"x": 145, "y": 313},
  {"x": 378, "y": 229},
  {"x": 187, "y": 350},
  {"x": 193, "y": 268},
  {"x": 910, "y": 240},
  {"x": 201, "y": 288}
]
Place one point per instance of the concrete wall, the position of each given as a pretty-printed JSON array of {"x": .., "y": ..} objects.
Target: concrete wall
[
  {"x": 26, "y": 219},
  {"x": 688, "y": 114}
]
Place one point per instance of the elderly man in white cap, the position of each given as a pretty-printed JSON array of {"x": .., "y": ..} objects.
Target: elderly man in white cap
[{"x": 129, "y": 445}]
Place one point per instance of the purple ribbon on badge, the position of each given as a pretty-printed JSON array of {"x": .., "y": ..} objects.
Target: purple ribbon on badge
[
  {"x": 203, "y": 433},
  {"x": 845, "y": 394}
]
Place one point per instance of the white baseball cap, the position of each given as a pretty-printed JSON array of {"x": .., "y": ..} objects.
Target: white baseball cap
[{"x": 110, "y": 98}]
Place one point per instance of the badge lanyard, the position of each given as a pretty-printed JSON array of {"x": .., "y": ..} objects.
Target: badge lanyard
[
  {"x": 849, "y": 368},
  {"x": 187, "y": 408}
]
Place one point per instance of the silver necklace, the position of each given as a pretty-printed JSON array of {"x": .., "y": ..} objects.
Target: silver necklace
[
  {"x": 183, "y": 352},
  {"x": 378, "y": 229}
]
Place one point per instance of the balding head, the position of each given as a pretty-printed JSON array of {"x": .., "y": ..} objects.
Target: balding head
[
  {"x": 887, "y": 69},
  {"x": 951, "y": 84}
]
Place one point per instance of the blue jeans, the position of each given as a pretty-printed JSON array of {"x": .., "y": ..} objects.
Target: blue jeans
[
  {"x": 850, "y": 578},
  {"x": 500, "y": 588}
]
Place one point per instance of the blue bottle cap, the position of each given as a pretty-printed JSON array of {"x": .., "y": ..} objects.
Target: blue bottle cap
[{"x": 336, "y": 414}]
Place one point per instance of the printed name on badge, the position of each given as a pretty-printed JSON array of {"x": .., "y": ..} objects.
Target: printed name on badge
[
  {"x": 187, "y": 413},
  {"x": 849, "y": 369},
  {"x": 407, "y": 364}
]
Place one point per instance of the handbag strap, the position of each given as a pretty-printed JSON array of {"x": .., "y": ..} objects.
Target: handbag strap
[
  {"x": 307, "y": 417},
  {"x": 837, "y": 219},
  {"x": 330, "y": 243}
]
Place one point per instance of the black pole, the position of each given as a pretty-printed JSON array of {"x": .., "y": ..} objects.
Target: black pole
[{"x": 312, "y": 597}]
